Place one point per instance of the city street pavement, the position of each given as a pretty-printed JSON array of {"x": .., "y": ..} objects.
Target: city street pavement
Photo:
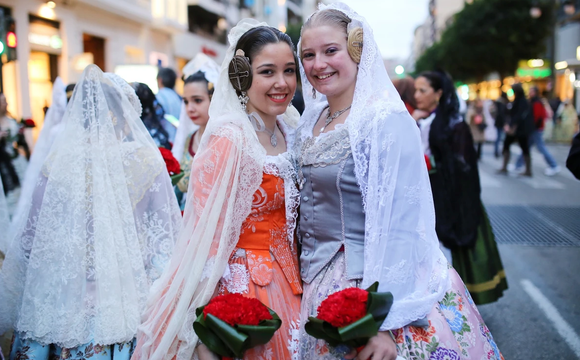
[{"x": 537, "y": 225}]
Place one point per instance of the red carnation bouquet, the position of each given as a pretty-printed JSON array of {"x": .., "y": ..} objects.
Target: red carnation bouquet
[
  {"x": 350, "y": 316},
  {"x": 28, "y": 123},
  {"x": 231, "y": 324},
  {"x": 173, "y": 167}
]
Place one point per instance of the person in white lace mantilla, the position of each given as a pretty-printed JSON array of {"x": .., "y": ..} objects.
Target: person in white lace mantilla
[
  {"x": 238, "y": 235},
  {"x": 366, "y": 211},
  {"x": 98, "y": 229}
]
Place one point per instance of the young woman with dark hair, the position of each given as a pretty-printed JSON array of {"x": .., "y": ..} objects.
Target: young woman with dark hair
[
  {"x": 462, "y": 223},
  {"x": 238, "y": 234},
  {"x": 197, "y": 92}
]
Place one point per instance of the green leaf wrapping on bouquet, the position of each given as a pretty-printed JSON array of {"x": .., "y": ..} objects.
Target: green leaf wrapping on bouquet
[
  {"x": 359, "y": 332},
  {"x": 175, "y": 178},
  {"x": 232, "y": 341}
]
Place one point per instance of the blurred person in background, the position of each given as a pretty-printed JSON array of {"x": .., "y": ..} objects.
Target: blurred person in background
[
  {"x": 566, "y": 122},
  {"x": 406, "y": 89},
  {"x": 537, "y": 137},
  {"x": 573, "y": 160},
  {"x": 69, "y": 91},
  {"x": 501, "y": 118},
  {"x": 152, "y": 115},
  {"x": 167, "y": 96},
  {"x": 519, "y": 128},
  {"x": 550, "y": 116},
  {"x": 12, "y": 162},
  {"x": 201, "y": 74},
  {"x": 169, "y": 100},
  {"x": 476, "y": 120},
  {"x": 461, "y": 220}
]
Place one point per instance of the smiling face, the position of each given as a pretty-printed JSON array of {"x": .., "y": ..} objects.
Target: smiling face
[
  {"x": 274, "y": 80},
  {"x": 426, "y": 97},
  {"x": 196, "y": 100},
  {"x": 326, "y": 61}
]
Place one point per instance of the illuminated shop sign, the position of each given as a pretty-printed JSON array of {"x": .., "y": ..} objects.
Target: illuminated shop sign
[{"x": 53, "y": 41}]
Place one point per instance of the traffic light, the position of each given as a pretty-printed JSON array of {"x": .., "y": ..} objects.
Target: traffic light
[{"x": 10, "y": 39}]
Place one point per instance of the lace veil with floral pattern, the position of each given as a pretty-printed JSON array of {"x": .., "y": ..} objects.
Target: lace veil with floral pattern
[
  {"x": 99, "y": 227},
  {"x": 51, "y": 128}
]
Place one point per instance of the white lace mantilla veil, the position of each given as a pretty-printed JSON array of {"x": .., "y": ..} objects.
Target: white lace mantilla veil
[
  {"x": 52, "y": 126},
  {"x": 211, "y": 71},
  {"x": 401, "y": 246},
  {"x": 98, "y": 230},
  {"x": 225, "y": 174}
]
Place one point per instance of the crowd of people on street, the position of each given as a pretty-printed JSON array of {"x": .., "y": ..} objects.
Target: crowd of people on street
[{"x": 134, "y": 209}]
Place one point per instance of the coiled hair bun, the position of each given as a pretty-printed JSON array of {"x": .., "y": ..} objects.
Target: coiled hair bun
[
  {"x": 240, "y": 71},
  {"x": 355, "y": 44}
]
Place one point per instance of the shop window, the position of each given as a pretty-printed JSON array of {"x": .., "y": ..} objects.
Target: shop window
[
  {"x": 42, "y": 70},
  {"x": 96, "y": 46}
]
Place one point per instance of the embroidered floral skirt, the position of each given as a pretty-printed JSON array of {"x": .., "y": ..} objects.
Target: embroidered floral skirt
[
  {"x": 456, "y": 330},
  {"x": 278, "y": 296},
  {"x": 26, "y": 349}
]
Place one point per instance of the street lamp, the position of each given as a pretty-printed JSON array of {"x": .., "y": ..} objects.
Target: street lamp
[
  {"x": 535, "y": 12},
  {"x": 399, "y": 70}
]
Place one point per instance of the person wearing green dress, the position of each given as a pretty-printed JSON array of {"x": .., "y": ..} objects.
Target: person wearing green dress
[{"x": 461, "y": 220}]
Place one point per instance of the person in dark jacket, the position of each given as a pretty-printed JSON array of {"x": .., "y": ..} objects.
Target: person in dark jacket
[
  {"x": 519, "y": 128},
  {"x": 573, "y": 160},
  {"x": 537, "y": 137},
  {"x": 501, "y": 119}
]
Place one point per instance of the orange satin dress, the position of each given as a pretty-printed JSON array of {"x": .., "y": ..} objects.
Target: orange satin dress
[{"x": 265, "y": 266}]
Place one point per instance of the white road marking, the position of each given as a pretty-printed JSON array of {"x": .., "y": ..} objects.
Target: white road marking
[
  {"x": 564, "y": 329},
  {"x": 540, "y": 181}
]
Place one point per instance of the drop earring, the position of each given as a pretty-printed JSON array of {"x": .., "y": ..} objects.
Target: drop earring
[
  {"x": 243, "y": 100},
  {"x": 313, "y": 93}
]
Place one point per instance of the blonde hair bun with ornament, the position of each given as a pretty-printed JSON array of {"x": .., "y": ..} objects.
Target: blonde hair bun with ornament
[{"x": 355, "y": 43}]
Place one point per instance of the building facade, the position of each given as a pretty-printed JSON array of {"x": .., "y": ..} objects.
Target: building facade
[
  {"x": 60, "y": 38},
  {"x": 129, "y": 37}
]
